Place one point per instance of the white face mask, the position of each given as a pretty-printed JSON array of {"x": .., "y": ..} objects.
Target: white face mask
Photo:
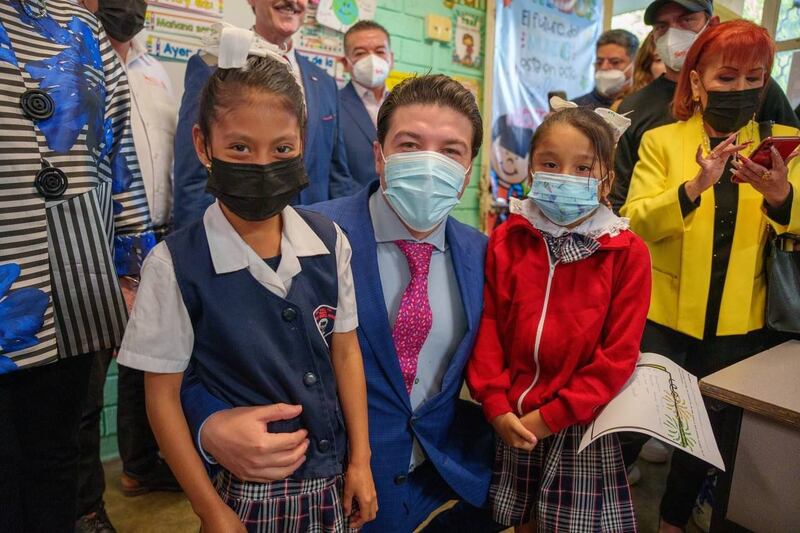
[
  {"x": 371, "y": 71},
  {"x": 673, "y": 46},
  {"x": 610, "y": 82}
]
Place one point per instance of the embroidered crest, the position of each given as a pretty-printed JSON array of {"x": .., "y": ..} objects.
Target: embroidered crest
[{"x": 325, "y": 316}]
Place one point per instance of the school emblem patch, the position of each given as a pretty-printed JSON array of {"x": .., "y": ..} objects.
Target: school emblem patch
[{"x": 325, "y": 316}]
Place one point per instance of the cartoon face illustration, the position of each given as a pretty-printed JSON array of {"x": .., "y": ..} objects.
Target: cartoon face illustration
[
  {"x": 346, "y": 11},
  {"x": 467, "y": 40},
  {"x": 509, "y": 151}
]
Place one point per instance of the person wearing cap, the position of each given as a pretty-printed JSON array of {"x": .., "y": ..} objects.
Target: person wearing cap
[
  {"x": 368, "y": 59},
  {"x": 676, "y": 24},
  {"x": 276, "y": 21},
  {"x": 613, "y": 69}
]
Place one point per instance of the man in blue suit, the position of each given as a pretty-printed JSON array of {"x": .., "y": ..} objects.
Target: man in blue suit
[
  {"x": 368, "y": 60},
  {"x": 418, "y": 277},
  {"x": 325, "y": 159}
]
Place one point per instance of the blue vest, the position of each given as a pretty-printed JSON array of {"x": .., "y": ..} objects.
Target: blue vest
[{"x": 252, "y": 347}]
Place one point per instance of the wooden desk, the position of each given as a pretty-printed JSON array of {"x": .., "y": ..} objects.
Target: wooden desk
[{"x": 760, "y": 491}]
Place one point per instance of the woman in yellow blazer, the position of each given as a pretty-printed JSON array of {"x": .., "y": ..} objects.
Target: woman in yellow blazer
[{"x": 706, "y": 232}]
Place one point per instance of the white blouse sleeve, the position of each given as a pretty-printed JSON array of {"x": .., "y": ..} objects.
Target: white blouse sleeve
[
  {"x": 159, "y": 337},
  {"x": 346, "y": 311}
]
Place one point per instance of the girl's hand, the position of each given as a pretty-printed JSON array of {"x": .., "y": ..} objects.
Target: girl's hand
[
  {"x": 772, "y": 184},
  {"x": 712, "y": 166},
  {"x": 221, "y": 520},
  {"x": 534, "y": 422},
  {"x": 360, "y": 499},
  {"x": 513, "y": 432}
]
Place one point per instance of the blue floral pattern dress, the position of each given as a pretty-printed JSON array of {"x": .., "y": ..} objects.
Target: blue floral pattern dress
[{"x": 73, "y": 210}]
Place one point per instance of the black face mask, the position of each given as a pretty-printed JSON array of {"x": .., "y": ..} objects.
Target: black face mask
[
  {"x": 122, "y": 19},
  {"x": 256, "y": 192},
  {"x": 728, "y": 111}
]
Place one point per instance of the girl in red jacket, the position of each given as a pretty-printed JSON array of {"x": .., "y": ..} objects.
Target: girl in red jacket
[{"x": 566, "y": 297}]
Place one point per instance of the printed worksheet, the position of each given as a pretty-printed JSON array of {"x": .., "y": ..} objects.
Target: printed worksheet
[{"x": 661, "y": 400}]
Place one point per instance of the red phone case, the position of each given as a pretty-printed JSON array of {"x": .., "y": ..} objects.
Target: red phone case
[{"x": 785, "y": 146}]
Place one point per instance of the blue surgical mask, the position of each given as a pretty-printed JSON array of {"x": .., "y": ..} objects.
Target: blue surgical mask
[
  {"x": 422, "y": 187},
  {"x": 562, "y": 198}
]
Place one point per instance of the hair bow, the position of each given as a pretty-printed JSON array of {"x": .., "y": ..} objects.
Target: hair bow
[
  {"x": 233, "y": 45},
  {"x": 619, "y": 123}
]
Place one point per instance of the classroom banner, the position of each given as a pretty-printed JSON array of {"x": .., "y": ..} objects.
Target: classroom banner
[{"x": 540, "y": 46}]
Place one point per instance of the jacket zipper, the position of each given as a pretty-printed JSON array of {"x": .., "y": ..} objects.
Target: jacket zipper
[{"x": 539, "y": 329}]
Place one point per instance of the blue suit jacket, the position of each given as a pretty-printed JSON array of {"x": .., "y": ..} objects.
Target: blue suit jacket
[
  {"x": 324, "y": 155},
  {"x": 359, "y": 134},
  {"x": 453, "y": 432}
]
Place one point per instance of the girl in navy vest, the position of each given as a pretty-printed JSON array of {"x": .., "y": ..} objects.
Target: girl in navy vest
[
  {"x": 256, "y": 301},
  {"x": 565, "y": 301}
]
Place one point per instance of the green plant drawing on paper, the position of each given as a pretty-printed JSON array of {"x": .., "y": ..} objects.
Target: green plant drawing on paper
[{"x": 677, "y": 428}]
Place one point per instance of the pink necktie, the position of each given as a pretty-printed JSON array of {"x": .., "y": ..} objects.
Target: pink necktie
[{"x": 414, "y": 318}]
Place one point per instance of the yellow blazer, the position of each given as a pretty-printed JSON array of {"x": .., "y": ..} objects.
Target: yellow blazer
[{"x": 681, "y": 248}]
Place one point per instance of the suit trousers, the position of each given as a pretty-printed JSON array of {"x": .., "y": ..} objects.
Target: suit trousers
[
  {"x": 40, "y": 411},
  {"x": 138, "y": 449}
]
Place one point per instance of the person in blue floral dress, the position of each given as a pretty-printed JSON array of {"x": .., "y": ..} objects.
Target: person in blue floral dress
[{"x": 74, "y": 228}]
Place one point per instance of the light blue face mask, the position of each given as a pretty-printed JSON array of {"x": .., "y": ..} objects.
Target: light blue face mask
[
  {"x": 562, "y": 198},
  {"x": 422, "y": 187}
]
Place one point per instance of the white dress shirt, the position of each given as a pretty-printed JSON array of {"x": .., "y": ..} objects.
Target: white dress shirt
[
  {"x": 449, "y": 321},
  {"x": 154, "y": 117},
  {"x": 159, "y": 337},
  {"x": 372, "y": 104}
]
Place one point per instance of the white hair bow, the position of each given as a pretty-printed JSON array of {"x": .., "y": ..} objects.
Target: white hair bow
[
  {"x": 619, "y": 123},
  {"x": 233, "y": 45}
]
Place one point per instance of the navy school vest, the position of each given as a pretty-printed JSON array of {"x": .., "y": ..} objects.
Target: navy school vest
[{"x": 252, "y": 347}]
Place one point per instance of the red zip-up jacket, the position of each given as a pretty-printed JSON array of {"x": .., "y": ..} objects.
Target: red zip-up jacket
[{"x": 561, "y": 338}]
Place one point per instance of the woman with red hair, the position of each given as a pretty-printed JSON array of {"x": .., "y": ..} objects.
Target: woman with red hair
[{"x": 704, "y": 207}]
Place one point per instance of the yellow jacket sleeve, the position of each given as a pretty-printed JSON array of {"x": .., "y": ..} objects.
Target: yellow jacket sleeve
[{"x": 653, "y": 205}]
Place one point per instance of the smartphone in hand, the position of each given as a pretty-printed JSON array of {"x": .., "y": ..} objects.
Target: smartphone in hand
[{"x": 784, "y": 145}]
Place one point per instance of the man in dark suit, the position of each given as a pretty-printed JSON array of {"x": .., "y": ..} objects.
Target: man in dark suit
[
  {"x": 325, "y": 159},
  {"x": 418, "y": 276},
  {"x": 368, "y": 60}
]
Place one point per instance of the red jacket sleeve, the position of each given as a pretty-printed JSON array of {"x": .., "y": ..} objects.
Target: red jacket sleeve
[
  {"x": 614, "y": 359},
  {"x": 488, "y": 375}
]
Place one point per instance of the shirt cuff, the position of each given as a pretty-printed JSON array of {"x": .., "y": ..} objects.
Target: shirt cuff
[
  {"x": 783, "y": 213},
  {"x": 207, "y": 457},
  {"x": 130, "y": 251},
  {"x": 687, "y": 206}
]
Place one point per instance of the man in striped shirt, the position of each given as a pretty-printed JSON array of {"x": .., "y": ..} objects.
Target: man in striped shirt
[{"x": 73, "y": 220}]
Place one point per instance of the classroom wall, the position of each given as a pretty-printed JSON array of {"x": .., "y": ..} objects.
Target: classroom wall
[{"x": 405, "y": 20}]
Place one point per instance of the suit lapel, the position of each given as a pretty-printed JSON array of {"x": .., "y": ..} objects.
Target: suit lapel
[
  {"x": 311, "y": 88},
  {"x": 373, "y": 318},
  {"x": 355, "y": 108}
]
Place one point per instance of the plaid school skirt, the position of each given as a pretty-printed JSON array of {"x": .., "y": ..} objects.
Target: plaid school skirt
[
  {"x": 287, "y": 506},
  {"x": 560, "y": 490}
]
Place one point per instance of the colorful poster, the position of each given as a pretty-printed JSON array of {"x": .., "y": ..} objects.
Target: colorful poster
[
  {"x": 178, "y": 23},
  {"x": 211, "y": 8},
  {"x": 168, "y": 48},
  {"x": 540, "y": 46},
  {"x": 331, "y": 64},
  {"x": 467, "y": 50},
  {"x": 339, "y": 15}
]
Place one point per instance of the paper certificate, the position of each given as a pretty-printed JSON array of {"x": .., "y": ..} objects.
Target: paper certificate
[{"x": 661, "y": 400}]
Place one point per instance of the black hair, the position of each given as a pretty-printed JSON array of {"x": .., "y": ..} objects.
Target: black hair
[
  {"x": 597, "y": 130},
  {"x": 515, "y": 139},
  {"x": 623, "y": 38},
  {"x": 230, "y": 87},
  {"x": 363, "y": 25},
  {"x": 432, "y": 89}
]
